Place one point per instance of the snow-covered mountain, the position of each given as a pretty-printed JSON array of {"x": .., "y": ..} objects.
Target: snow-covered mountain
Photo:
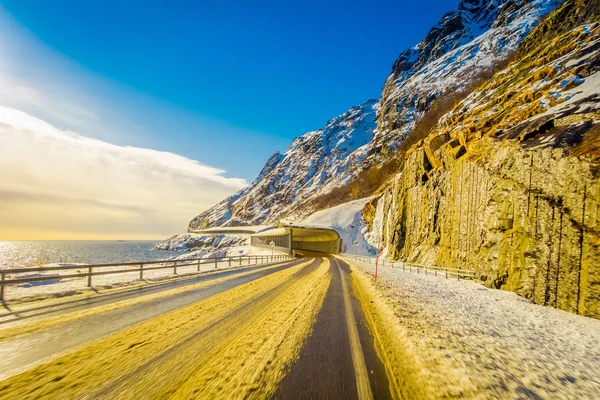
[
  {"x": 315, "y": 162},
  {"x": 460, "y": 45}
]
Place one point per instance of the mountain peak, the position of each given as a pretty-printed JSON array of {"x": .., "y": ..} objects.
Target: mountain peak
[
  {"x": 271, "y": 163},
  {"x": 463, "y": 43}
]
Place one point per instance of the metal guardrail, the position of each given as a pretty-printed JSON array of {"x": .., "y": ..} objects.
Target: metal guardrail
[
  {"x": 96, "y": 269},
  {"x": 434, "y": 270}
]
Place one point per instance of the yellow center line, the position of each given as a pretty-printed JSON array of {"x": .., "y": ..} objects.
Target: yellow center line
[{"x": 358, "y": 359}]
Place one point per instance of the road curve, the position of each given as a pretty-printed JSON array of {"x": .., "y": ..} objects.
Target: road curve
[{"x": 293, "y": 331}]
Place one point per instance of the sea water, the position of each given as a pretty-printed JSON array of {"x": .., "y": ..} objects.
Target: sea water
[{"x": 20, "y": 254}]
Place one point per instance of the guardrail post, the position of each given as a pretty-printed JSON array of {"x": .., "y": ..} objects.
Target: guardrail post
[
  {"x": 89, "y": 277},
  {"x": 458, "y": 276},
  {"x": 216, "y": 261},
  {"x": 229, "y": 260},
  {"x": 141, "y": 271},
  {"x": 240, "y": 261},
  {"x": 2, "y": 287},
  {"x": 175, "y": 267},
  {"x": 198, "y": 265},
  {"x": 446, "y": 274}
]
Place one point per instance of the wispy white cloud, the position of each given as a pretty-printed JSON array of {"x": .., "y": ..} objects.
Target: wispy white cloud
[
  {"x": 65, "y": 168},
  {"x": 62, "y": 182}
]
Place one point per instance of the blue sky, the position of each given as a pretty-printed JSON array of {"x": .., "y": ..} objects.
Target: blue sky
[{"x": 252, "y": 75}]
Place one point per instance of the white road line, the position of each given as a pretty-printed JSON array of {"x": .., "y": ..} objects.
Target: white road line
[{"x": 361, "y": 373}]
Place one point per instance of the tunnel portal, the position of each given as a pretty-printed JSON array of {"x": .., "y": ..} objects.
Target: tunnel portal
[{"x": 286, "y": 238}]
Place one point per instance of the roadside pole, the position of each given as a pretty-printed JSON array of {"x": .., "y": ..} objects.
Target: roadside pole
[
  {"x": 377, "y": 259},
  {"x": 272, "y": 244}
]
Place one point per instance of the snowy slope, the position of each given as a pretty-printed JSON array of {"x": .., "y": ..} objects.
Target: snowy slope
[{"x": 347, "y": 220}]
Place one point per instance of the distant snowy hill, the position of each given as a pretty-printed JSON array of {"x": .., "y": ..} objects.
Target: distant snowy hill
[
  {"x": 315, "y": 161},
  {"x": 460, "y": 45}
]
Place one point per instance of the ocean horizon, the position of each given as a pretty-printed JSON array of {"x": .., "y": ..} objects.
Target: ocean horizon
[{"x": 32, "y": 253}]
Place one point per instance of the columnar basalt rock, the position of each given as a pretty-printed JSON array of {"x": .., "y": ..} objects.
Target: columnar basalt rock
[{"x": 526, "y": 221}]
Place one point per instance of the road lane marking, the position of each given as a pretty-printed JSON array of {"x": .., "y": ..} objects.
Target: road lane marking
[
  {"x": 252, "y": 362},
  {"x": 363, "y": 386},
  {"x": 403, "y": 370}
]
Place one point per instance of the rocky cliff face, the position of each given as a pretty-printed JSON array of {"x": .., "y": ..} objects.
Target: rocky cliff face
[
  {"x": 315, "y": 162},
  {"x": 508, "y": 183},
  {"x": 464, "y": 43}
]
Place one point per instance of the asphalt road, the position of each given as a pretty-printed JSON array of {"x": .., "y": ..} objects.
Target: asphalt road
[
  {"x": 28, "y": 350},
  {"x": 287, "y": 332},
  {"x": 325, "y": 368}
]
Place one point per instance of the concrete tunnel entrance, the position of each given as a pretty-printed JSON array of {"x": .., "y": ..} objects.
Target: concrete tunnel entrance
[{"x": 287, "y": 238}]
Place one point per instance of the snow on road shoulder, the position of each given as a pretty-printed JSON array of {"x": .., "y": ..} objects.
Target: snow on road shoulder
[
  {"x": 501, "y": 344},
  {"x": 347, "y": 220}
]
